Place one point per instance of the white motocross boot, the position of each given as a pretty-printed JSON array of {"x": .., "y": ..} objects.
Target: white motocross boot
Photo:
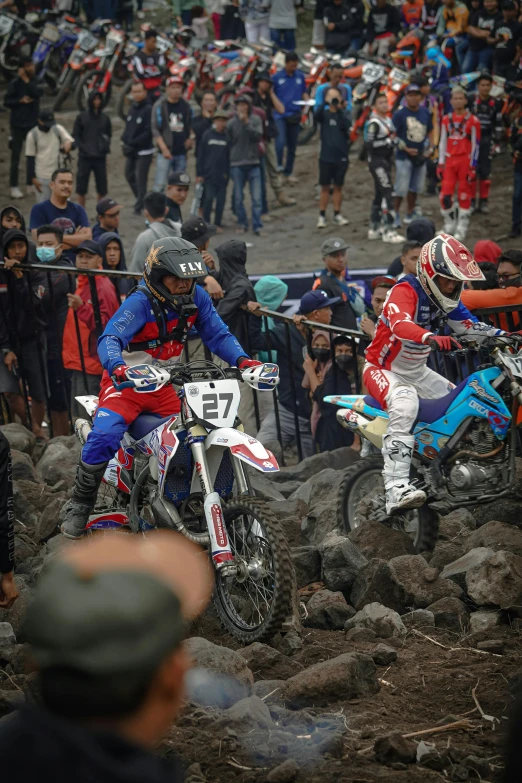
[
  {"x": 462, "y": 224},
  {"x": 450, "y": 219},
  {"x": 400, "y": 494}
]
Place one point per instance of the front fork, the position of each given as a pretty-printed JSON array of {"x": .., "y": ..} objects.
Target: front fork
[{"x": 220, "y": 547}]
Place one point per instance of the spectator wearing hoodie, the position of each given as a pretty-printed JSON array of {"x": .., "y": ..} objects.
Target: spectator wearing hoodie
[
  {"x": 212, "y": 168},
  {"x": 22, "y": 331},
  {"x": 236, "y": 285},
  {"x": 113, "y": 258},
  {"x": 10, "y": 217},
  {"x": 23, "y": 98},
  {"x": 158, "y": 226},
  {"x": 486, "y": 250},
  {"x": 83, "y": 359},
  {"x": 137, "y": 144},
  {"x": 92, "y": 133},
  {"x": 244, "y": 132},
  {"x": 53, "y": 295},
  {"x": 171, "y": 124},
  {"x": 45, "y": 147},
  {"x": 335, "y": 380},
  {"x": 421, "y": 230}
]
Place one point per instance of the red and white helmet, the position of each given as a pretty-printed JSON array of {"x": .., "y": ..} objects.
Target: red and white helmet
[{"x": 446, "y": 257}]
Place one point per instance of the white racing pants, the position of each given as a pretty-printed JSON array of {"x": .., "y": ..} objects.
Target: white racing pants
[{"x": 399, "y": 394}]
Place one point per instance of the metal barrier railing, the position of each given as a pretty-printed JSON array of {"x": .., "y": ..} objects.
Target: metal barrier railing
[{"x": 278, "y": 344}]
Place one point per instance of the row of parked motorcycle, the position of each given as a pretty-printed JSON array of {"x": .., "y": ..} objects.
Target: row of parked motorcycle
[{"x": 73, "y": 61}]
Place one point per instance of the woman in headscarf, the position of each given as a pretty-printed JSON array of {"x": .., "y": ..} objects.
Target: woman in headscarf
[
  {"x": 315, "y": 364},
  {"x": 113, "y": 258}
]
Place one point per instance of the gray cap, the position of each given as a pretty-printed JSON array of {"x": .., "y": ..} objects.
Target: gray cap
[
  {"x": 104, "y": 621},
  {"x": 333, "y": 245}
]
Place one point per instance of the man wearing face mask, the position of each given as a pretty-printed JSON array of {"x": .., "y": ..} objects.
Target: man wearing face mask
[
  {"x": 57, "y": 285},
  {"x": 329, "y": 435}
]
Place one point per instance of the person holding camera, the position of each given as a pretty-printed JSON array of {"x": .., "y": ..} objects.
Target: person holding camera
[{"x": 333, "y": 155}]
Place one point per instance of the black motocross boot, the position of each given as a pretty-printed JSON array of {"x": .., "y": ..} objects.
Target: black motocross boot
[{"x": 75, "y": 513}]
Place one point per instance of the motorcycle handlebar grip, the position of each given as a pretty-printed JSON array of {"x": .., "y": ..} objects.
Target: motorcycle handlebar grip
[{"x": 123, "y": 385}]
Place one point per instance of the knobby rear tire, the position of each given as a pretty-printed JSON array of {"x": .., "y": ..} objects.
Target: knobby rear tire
[
  {"x": 428, "y": 519},
  {"x": 280, "y": 580}
]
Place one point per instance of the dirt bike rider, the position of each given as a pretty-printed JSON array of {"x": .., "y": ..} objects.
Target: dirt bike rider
[
  {"x": 395, "y": 372},
  {"x": 150, "y": 327}
]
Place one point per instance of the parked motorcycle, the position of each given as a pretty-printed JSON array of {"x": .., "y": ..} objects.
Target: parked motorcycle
[
  {"x": 465, "y": 446},
  {"x": 100, "y": 79},
  {"x": 123, "y": 102},
  {"x": 18, "y": 37},
  {"x": 77, "y": 63},
  {"x": 186, "y": 472},
  {"x": 53, "y": 49},
  {"x": 372, "y": 78}
]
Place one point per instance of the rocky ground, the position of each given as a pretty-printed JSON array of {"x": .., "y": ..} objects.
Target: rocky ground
[{"x": 405, "y": 668}]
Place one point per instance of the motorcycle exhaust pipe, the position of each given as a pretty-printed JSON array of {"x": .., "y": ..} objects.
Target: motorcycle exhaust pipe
[{"x": 170, "y": 517}]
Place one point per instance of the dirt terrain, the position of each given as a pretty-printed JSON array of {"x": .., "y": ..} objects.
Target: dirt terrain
[{"x": 292, "y": 240}]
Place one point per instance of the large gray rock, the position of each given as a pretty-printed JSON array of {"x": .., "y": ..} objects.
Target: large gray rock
[
  {"x": 383, "y": 655},
  {"x": 459, "y": 568},
  {"x": 271, "y": 691},
  {"x": 50, "y": 515},
  {"x": 339, "y": 459},
  {"x": 307, "y": 564},
  {"x": 320, "y": 494},
  {"x": 19, "y": 437},
  {"x": 250, "y": 713},
  {"x": 383, "y": 621},
  {"x": 418, "y": 585},
  {"x": 58, "y": 463},
  {"x": 264, "y": 660},
  {"x": 263, "y": 487},
  {"x": 497, "y": 536},
  {"x": 347, "y": 676},
  {"x": 483, "y": 621},
  {"x": 328, "y": 610},
  {"x": 341, "y": 561},
  {"x": 450, "y": 613},
  {"x": 374, "y": 584},
  {"x": 446, "y": 552},
  {"x": 419, "y": 618},
  {"x": 318, "y": 487},
  {"x": 221, "y": 660},
  {"x": 23, "y": 467},
  {"x": 497, "y": 581},
  {"x": 375, "y": 540},
  {"x": 7, "y": 642},
  {"x": 456, "y": 524}
]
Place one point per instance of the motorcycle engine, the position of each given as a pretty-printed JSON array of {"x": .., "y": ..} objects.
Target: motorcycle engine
[
  {"x": 473, "y": 475},
  {"x": 469, "y": 475}
]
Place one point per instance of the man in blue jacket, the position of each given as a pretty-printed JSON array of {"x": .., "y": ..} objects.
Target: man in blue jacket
[
  {"x": 289, "y": 87},
  {"x": 150, "y": 327}
]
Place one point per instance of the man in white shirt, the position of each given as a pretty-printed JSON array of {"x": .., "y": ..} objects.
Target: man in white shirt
[{"x": 45, "y": 148}]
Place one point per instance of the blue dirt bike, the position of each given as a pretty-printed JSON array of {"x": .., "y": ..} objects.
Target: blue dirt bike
[
  {"x": 465, "y": 447},
  {"x": 53, "y": 49}
]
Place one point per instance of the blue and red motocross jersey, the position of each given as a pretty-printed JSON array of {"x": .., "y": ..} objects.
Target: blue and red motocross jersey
[{"x": 134, "y": 322}]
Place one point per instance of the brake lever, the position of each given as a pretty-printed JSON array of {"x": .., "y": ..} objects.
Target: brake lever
[{"x": 119, "y": 385}]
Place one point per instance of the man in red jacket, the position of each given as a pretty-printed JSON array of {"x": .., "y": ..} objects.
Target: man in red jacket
[
  {"x": 458, "y": 155},
  {"x": 82, "y": 358}
]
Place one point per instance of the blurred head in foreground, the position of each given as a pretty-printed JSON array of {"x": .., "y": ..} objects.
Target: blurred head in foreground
[{"x": 106, "y": 627}]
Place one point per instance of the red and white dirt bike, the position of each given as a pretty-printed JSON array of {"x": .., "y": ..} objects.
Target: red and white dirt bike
[{"x": 186, "y": 472}]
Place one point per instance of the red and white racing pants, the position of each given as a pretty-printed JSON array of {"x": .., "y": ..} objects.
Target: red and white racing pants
[
  {"x": 399, "y": 395},
  {"x": 456, "y": 170}
]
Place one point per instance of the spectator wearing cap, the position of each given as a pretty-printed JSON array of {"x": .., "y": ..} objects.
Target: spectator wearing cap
[
  {"x": 92, "y": 134},
  {"x": 244, "y": 133},
  {"x": 333, "y": 155},
  {"x": 108, "y": 212},
  {"x": 177, "y": 191},
  {"x": 422, "y": 230},
  {"x": 203, "y": 122},
  {"x": 59, "y": 210},
  {"x": 106, "y": 628},
  {"x": 22, "y": 97},
  {"x": 265, "y": 98},
  {"x": 199, "y": 232},
  {"x": 332, "y": 279},
  {"x": 158, "y": 226},
  {"x": 282, "y": 22},
  {"x": 213, "y": 166},
  {"x": 45, "y": 147},
  {"x": 138, "y": 147},
  {"x": 289, "y": 88},
  {"x": 414, "y": 127},
  {"x": 82, "y": 359},
  {"x": 292, "y": 396},
  {"x": 171, "y": 126}
]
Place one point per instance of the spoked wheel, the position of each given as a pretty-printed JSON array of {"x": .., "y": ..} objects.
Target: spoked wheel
[
  {"x": 124, "y": 99},
  {"x": 361, "y": 497},
  {"x": 254, "y": 603},
  {"x": 90, "y": 83}
]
